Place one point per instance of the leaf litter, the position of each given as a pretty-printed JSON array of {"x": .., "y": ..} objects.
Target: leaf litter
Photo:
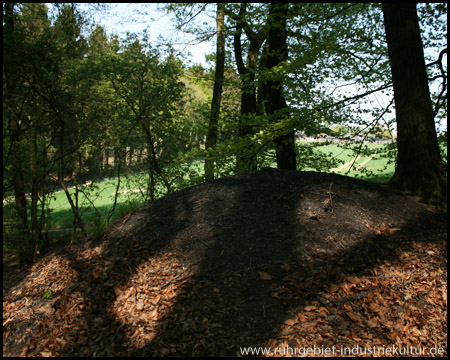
[{"x": 269, "y": 259}]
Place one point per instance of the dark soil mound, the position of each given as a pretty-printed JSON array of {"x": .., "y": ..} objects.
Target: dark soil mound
[{"x": 273, "y": 258}]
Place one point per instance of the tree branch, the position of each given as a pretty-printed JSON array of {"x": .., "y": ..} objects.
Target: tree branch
[
  {"x": 353, "y": 98},
  {"x": 443, "y": 75}
]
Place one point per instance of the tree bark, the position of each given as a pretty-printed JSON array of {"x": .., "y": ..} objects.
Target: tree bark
[
  {"x": 419, "y": 166},
  {"x": 275, "y": 103},
  {"x": 36, "y": 180},
  {"x": 246, "y": 160},
  {"x": 211, "y": 140}
]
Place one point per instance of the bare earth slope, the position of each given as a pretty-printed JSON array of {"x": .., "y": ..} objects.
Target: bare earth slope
[{"x": 273, "y": 258}]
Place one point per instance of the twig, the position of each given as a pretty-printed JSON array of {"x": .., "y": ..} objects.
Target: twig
[{"x": 175, "y": 278}]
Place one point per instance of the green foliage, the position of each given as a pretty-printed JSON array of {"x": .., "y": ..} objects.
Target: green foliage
[
  {"x": 47, "y": 294},
  {"x": 10, "y": 231},
  {"x": 442, "y": 141}
]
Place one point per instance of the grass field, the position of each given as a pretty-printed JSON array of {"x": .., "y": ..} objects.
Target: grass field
[
  {"x": 130, "y": 198},
  {"x": 101, "y": 194},
  {"x": 366, "y": 166}
]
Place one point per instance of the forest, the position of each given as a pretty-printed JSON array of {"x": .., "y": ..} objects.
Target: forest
[
  {"x": 110, "y": 128},
  {"x": 80, "y": 106}
]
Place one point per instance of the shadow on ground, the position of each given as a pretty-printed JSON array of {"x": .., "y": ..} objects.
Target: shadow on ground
[{"x": 224, "y": 265}]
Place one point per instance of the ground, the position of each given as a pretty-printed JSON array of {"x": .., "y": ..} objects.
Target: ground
[{"x": 276, "y": 260}]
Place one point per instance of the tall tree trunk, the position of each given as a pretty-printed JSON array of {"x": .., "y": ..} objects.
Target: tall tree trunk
[
  {"x": 246, "y": 160},
  {"x": 275, "y": 103},
  {"x": 419, "y": 166},
  {"x": 211, "y": 140}
]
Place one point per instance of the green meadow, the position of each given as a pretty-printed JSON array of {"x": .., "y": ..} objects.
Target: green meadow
[
  {"x": 368, "y": 166},
  {"x": 101, "y": 194},
  {"x": 95, "y": 206}
]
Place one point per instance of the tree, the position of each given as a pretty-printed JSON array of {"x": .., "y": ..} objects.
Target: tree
[
  {"x": 274, "y": 100},
  {"x": 151, "y": 92},
  {"x": 211, "y": 140},
  {"x": 246, "y": 159},
  {"x": 419, "y": 165},
  {"x": 12, "y": 39}
]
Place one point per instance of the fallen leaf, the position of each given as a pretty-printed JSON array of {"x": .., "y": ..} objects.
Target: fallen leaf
[
  {"x": 61, "y": 341},
  {"x": 265, "y": 276},
  {"x": 347, "y": 288},
  {"x": 155, "y": 300},
  {"x": 291, "y": 322},
  {"x": 353, "y": 316},
  {"x": 372, "y": 323},
  {"x": 154, "y": 314},
  {"x": 334, "y": 288},
  {"x": 140, "y": 304},
  {"x": 354, "y": 280},
  {"x": 96, "y": 273}
]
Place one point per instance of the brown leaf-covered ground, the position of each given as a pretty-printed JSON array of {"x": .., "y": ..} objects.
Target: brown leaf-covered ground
[{"x": 280, "y": 261}]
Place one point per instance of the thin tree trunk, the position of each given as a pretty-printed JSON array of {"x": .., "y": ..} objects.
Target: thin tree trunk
[
  {"x": 153, "y": 161},
  {"x": 211, "y": 140},
  {"x": 36, "y": 231},
  {"x": 77, "y": 217}
]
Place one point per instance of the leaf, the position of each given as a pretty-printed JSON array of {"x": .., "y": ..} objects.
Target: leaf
[
  {"x": 265, "y": 276},
  {"x": 61, "y": 341},
  {"x": 47, "y": 294},
  {"x": 347, "y": 288},
  {"x": 353, "y": 316},
  {"x": 334, "y": 288},
  {"x": 155, "y": 300},
  {"x": 372, "y": 323},
  {"x": 291, "y": 322},
  {"x": 415, "y": 331},
  {"x": 140, "y": 304},
  {"x": 154, "y": 314}
]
